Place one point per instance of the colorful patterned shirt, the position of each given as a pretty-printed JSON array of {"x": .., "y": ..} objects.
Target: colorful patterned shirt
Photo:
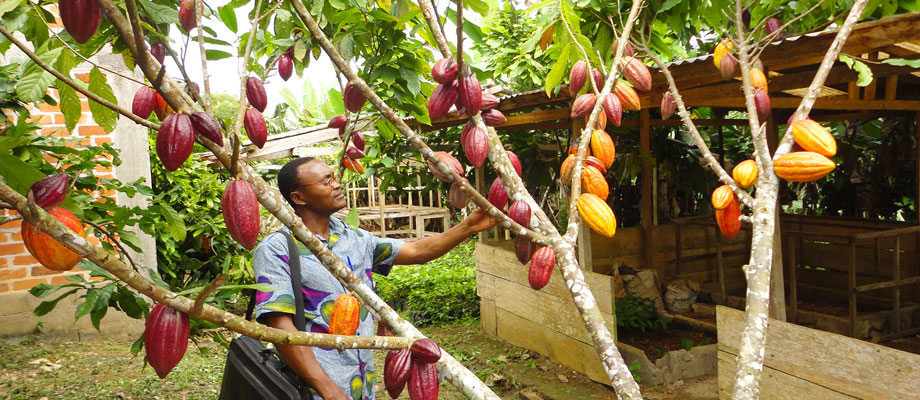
[{"x": 351, "y": 370}]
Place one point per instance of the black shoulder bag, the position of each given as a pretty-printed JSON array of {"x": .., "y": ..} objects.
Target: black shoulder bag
[{"x": 254, "y": 372}]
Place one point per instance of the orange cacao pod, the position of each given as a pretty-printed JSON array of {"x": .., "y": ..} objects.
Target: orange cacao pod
[
  {"x": 423, "y": 381},
  {"x": 628, "y": 52},
  {"x": 161, "y": 107},
  {"x": 175, "y": 140},
  {"x": 255, "y": 93},
  {"x": 729, "y": 220},
  {"x": 80, "y": 17},
  {"x": 255, "y": 126},
  {"x": 724, "y": 47},
  {"x": 594, "y": 182},
  {"x": 541, "y": 267},
  {"x": 668, "y": 106},
  {"x": 50, "y": 191},
  {"x": 444, "y": 71},
  {"x": 602, "y": 147},
  {"x": 451, "y": 162},
  {"x": 812, "y": 136},
  {"x": 629, "y": 99},
  {"x": 577, "y": 77},
  {"x": 583, "y": 104},
  {"x": 145, "y": 98},
  {"x": 636, "y": 73},
  {"x": 48, "y": 251},
  {"x": 745, "y": 173},
  {"x": 613, "y": 109},
  {"x": 722, "y": 196},
  {"x": 396, "y": 370},
  {"x": 802, "y": 166},
  {"x": 601, "y": 122},
  {"x": 165, "y": 338},
  {"x": 592, "y": 161},
  {"x": 443, "y": 96},
  {"x": 597, "y": 214},
  {"x": 354, "y": 99},
  {"x": 353, "y": 165},
  {"x": 346, "y": 315},
  {"x": 758, "y": 79},
  {"x": 240, "y": 208},
  {"x": 565, "y": 171}
]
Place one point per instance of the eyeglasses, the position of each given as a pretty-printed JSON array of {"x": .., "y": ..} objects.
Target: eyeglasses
[{"x": 325, "y": 182}]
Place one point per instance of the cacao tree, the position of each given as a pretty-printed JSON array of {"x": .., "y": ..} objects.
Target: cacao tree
[{"x": 381, "y": 52}]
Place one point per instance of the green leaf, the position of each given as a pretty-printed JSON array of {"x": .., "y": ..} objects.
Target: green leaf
[
  {"x": 412, "y": 81},
  {"x": 138, "y": 345},
  {"x": 34, "y": 83},
  {"x": 262, "y": 287},
  {"x": 94, "y": 270},
  {"x": 8, "y": 5},
  {"x": 228, "y": 17},
  {"x": 213, "y": 55},
  {"x": 131, "y": 304},
  {"x": 104, "y": 116},
  {"x": 88, "y": 305},
  {"x": 352, "y": 218},
  {"x": 44, "y": 289},
  {"x": 8, "y": 143},
  {"x": 160, "y": 14},
  {"x": 19, "y": 175},
  {"x": 46, "y": 306},
  {"x": 70, "y": 105},
  {"x": 97, "y": 314},
  {"x": 865, "y": 74},
  {"x": 668, "y": 5},
  {"x": 558, "y": 71},
  {"x": 902, "y": 62},
  {"x": 175, "y": 225}
]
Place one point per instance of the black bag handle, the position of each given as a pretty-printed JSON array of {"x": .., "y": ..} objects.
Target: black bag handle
[{"x": 294, "y": 261}]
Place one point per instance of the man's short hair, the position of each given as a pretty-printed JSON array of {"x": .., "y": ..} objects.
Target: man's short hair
[{"x": 287, "y": 177}]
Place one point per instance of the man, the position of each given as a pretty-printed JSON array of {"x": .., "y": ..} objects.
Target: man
[{"x": 309, "y": 185}]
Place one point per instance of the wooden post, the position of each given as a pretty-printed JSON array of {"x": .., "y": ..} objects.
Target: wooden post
[
  {"x": 852, "y": 287},
  {"x": 917, "y": 156},
  {"x": 479, "y": 181},
  {"x": 794, "y": 293},
  {"x": 777, "y": 289},
  {"x": 720, "y": 265},
  {"x": 646, "y": 189},
  {"x": 896, "y": 276},
  {"x": 585, "y": 255}
]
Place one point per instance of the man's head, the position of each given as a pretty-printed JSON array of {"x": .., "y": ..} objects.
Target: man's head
[{"x": 309, "y": 183}]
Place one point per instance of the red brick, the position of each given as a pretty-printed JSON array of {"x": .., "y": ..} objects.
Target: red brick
[
  {"x": 24, "y": 260},
  {"x": 84, "y": 105},
  {"x": 12, "y": 248},
  {"x": 41, "y": 119},
  {"x": 4, "y": 262},
  {"x": 98, "y": 141},
  {"x": 4, "y": 237},
  {"x": 12, "y": 273},
  {"x": 17, "y": 236},
  {"x": 42, "y": 271},
  {"x": 59, "y": 132},
  {"x": 4, "y": 287},
  {"x": 44, "y": 107},
  {"x": 59, "y": 119},
  {"x": 27, "y": 284},
  {"x": 57, "y": 280},
  {"x": 90, "y": 130},
  {"x": 83, "y": 77}
]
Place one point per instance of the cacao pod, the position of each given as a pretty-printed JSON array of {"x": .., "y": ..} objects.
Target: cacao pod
[
  {"x": 668, "y": 106},
  {"x": 358, "y": 139},
  {"x": 285, "y": 67},
  {"x": 80, "y": 17},
  {"x": 745, "y": 173},
  {"x": 489, "y": 101},
  {"x": 255, "y": 126},
  {"x": 592, "y": 161},
  {"x": 636, "y": 73},
  {"x": 423, "y": 381},
  {"x": 600, "y": 123},
  {"x": 583, "y": 104},
  {"x": 724, "y": 47},
  {"x": 187, "y": 15},
  {"x": 546, "y": 38},
  {"x": 353, "y": 165},
  {"x": 613, "y": 109},
  {"x": 458, "y": 199},
  {"x": 48, "y": 251},
  {"x": 746, "y": 18},
  {"x": 812, "y": 136},
  {"x": 354, "y": 99},
  {"x": 255, "y": 92},
  {"x": 594, "y": 182},
  {"x": 629, "y": 99},
  {"x": 541, "y": 267},
  {"x": 728, "y": 67},
  {"x": 729, "y": 220},
  {"x": 241, "y": 213},
  {"x": 396, "y": 370},
  {"x": 762, "y": 103},
  {"x": 598, "y": 78},
  {"x": 145, "y": 98},
  {"x": 346, "y": 315},
  {"x": 207, "y": 126},
  {"x": 451, "y": 162},
  {"x": 444, "y": 71},
  {"x": 425, "y": 351},
  {"x": 722, "y": 196},
  {"x": 441, "y": 99},
  {"x": 338, "y": 121},
  {"x": 158, "y": 51},
  {"x": 493, "y": 117},
  {"x": 520, "y": 212},
  {"x": 758, "y": 79},
  {"x": 565, "y": 172},
  {"x": 354, "y": 153},
  {"x": 577, "y": 77},
  {"x": 524, "y": 249},
  {"x": 175, "y": 140},
  {"x": 165, "y": 338},
  {"x": 802, "y": 166},
  {"x": 470, "y": 94},
  {"x": 466, "y": 130},
  {"x": 773, "y": 25},
  {"x": 50, "y": 191},
  {"x": 476, "y": 146},
  {"x": 597, "y": 214},
  {"x": 628, "y": 52},
  {"x": 497, "y": 194},
  {"x": 515, "y": 161},
  {"x": 602, "y": 147},
  {"x": 161, "y": 107},
  {"x": 192, "y": 89}
]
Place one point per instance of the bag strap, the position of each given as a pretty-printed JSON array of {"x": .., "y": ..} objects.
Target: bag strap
[{"x": 294, "y": 261}]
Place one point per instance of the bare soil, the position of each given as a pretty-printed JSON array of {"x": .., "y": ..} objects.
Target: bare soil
[{"x": 656, "y": 343}]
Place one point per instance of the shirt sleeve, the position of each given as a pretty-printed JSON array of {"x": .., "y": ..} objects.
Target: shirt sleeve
[
  {"x": 385, "y": 251},
  {"x": 271, "y": 266}
]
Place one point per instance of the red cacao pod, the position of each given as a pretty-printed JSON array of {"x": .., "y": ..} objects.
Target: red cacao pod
[
  {"x": 175, "y": 140},
  {"x": 577, "y": 77},
  {"x": 353, "y": 165},
  {"x": 396, "y": 371},
  {"x": 762, "y": 104},
  {"x": 470, "y": 94},
  {"x": 476, "y": 146},
  {"x": 241, "y": 213},
  {"x": 626, "y": 53},
  {"x": 358, "y": 139},
  {"x": 723, "y": 48},
  {"x": 354, "y": 99},
  {"x": 636, "y": 73},
  {"x": 451, "y": 162},
  {"x": 285, "y": 67},
  {"x": 145, "y": 98},
  {"x": 583, "y": 104},
  {"x": 541, "y": 267},
  {"x": 515, "y": 161},
  {"x": 629, "y": 99},
  {"x": 50, "y": 191},
  {"x": 338, "y": 121},
  {"x": 520, "y": 212},
  {"x": 441, "y": 99},
  {"x": 354, "y": 153},
  {"x": 728, "y": 219},
  {"x": 80, "y": 17},
  {"x": 187, "y": 15},
  {"x": 255, "y": 93},
  {"x": 346, "y": 315},
  {"x": 524, "y": 249},
  {"x": 425, "y": 351},
  {"x": 668, "y": 106},
  {"x": 598, "y": 78},
  {"x": 613, "y": 109},
  {"x": 728, "y": 66},
  {"x": 423, "y": 381},
  {"x": 207, "y": 126},
  {"x": 458, "y": 199},
  {"x": 493, "y": 117},
  {"x": 48, "y": 251},
  {"x": 489, "y": 101},
  {"x": 497, "y": 195},
  {"x": 165, "y": 338},
  {"x": 444, "y": 71},
  {"x": 773, "y": 25},
  {"x": 255, "y": 126},
  {"x": 158, "y": 51}
]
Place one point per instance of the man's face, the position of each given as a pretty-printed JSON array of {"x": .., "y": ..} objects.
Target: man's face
[{"x": 318, "y": 191}]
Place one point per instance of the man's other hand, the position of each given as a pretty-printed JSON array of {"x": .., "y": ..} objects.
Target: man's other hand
[{"x": 479, "y": 220}]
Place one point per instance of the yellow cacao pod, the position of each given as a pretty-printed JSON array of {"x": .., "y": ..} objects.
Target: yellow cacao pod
[
  {"x": 812, "y": 136},
  {"x": 602, "y": 147},
  {"x": 802, "y": 166},
  {"x": 597, "y": 214},
  {"x": 346, "y": 315},
  {"x": 745, "y": 173},
  {"x": 722, "y": 197},
  {"x": 565, "y": 172},
  {"x": 724, "y": 47},
  {"x": 758, "y": 79},
  {"x": 594, "y": 182}
]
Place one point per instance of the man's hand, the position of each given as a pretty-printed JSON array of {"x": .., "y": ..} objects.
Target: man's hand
[
  {"x": 479, "y": 220},
  {"x": 433, "y": 247}
]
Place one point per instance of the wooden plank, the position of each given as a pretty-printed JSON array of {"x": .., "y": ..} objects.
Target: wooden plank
[
  {"x": 888, "y": 284},
  {"x": 822, "y": 103},
  {"x": 774, "y": 384},
  {"x": 891, "y": 232},
  {"x": 891, "y": 87},
  {"x": 646, "y": 200},
  {"x": 850, "y": 366},
  {"x": 487, "y": 316}
]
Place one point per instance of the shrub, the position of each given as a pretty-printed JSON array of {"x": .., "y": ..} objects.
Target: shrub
[{"x": 635, "y": 312}]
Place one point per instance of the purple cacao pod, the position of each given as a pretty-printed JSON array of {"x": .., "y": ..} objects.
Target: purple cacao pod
[
  {"x": 354, "y": 153},
  {"x": 241, "y": 213},
  {"x": 165, "y": 338},
  {"x": 476, "y": 146},
  {"x": 497, "y": 194},
  {"x": 175, "y": 140},
  {"x": 187, "y": 14},
  {"x": 255, "y": 126},
  {"x": 285, "y": 67},
  {"x": 358, "y": 139},
  {"x": 426, "y": 350},
  {"x": 524, "y": 249},
  {"x": 81, "y": 18},
  {"x": 423, "y": 381},
  {"x": 493, "y": 117},
  {"x": 444, "y": 71},
  {"x": 515, "y": 162},
  {"x": 354, "y": 99},
  {"x": 255, "y": 93},
  {"x": 520, "y": 212},
  {"x": 470, "y": 94},
  {"x": 541, "y": 267},
  {"x": 441, "y": 99},
  {"x": 396, "y": 370},
  {"x": 338, "y": 121},
  {"x": 50, "y": 191},
  {"x": 207, "y": 126},
  {"x": 145, "y": 98}
]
